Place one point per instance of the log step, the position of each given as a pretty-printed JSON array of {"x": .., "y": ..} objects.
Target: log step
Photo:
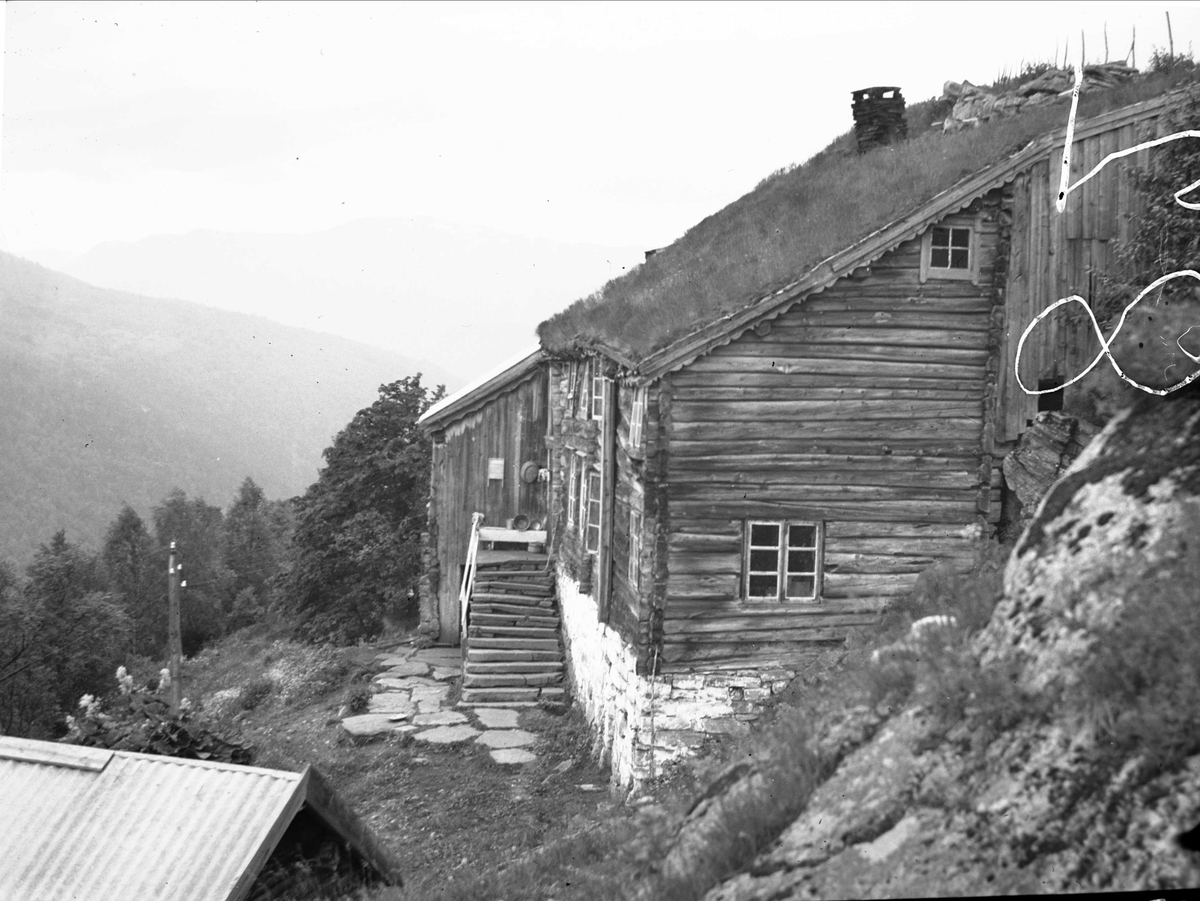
[
  {"x": 516, "y": 575},
  {"x": 499, "y": 694},
  {"x": 478, "y": 630},
  {"x": 514, "y": 644},
  {"x": 540, "y": 588},
  {"x": 501, "y": 680},
  {"x": 517, "y": 599},
  {"x": 531, "y": 613},
  {"x": 512, "y": 620},
  {"x": 520, "y": 666},
  {"x": 512, "y": 655},
  {"x": 553, "y": 694}
]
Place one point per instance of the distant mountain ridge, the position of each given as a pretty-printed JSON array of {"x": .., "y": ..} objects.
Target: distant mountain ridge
[
  {"x": 108, "y": 397},
  {"x": 466, "y": 296}
]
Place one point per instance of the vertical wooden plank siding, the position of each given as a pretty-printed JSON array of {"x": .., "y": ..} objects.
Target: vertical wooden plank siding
[
  {"x": 861, "y": 408},
  {"x": 512, "y": 426},
  {"x": 1056, "y": 255}
]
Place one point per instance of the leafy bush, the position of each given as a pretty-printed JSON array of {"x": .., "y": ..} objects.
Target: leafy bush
[
  {"x": 136, "y": 720},
  {"x": 253, "y": 694}
]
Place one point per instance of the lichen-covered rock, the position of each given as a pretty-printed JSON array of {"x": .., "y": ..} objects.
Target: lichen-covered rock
[
  {"x": 1047, "y": 805},
  {"x": 1101, "y": 538}
]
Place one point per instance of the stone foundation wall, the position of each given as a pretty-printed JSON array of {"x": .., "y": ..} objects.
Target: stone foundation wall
[{"x": 642, "y": 723}]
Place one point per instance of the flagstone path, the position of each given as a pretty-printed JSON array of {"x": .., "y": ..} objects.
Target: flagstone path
[{"x": 410, "y": 698}]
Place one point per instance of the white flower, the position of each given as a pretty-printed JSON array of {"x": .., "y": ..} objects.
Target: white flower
[
  {"x": 124, "y": 681},
  {"x": 87, "y": 702},
  {"x": 164, "y": 679},
  {"x": 185, "y": 705}
]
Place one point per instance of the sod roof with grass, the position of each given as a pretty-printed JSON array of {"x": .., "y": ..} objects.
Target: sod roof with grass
[{"x": 740, "y": 258}]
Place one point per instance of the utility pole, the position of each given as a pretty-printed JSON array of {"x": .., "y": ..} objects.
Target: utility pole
[{"x": 174, "y": 641}]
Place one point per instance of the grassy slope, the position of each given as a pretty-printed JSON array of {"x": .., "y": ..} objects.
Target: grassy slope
[
  {"x": 794, "y": 220},
  {"x": 460, "y": 825}
]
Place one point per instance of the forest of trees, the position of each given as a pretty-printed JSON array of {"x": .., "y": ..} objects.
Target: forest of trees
[{"x": 335, "y": 563}]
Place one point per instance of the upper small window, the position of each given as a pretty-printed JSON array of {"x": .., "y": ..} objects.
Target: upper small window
[
  {"x": 949, "y": 252},
  {"x": 950, "y": 248}
]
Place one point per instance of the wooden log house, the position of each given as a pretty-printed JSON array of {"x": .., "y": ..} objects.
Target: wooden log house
[{"x": 741, "y": 495}]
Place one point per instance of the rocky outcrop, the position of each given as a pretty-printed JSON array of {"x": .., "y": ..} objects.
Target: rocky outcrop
[
  {"x": 974, "y": 105},
  {"x": 1045, "y": 451},
  {"x": 1046, "y": 802}
]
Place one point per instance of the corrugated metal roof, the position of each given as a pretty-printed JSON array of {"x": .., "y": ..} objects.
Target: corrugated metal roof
[{"x": 96, "y": 825}]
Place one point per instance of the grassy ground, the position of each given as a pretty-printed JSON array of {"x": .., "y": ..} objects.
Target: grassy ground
[
  {"x": 463, "y": 827},
  {"x": 459, "y": 825}
]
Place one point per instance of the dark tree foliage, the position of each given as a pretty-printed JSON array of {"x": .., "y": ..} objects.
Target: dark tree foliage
[
  {"x": 250, "y": 552},
  {"x": 197, "y": 528},
  {"x": 257, "y": 537},
  {"x": 59, "y": 636},
  {"x": 357, "y": 538},
  {"x": 137, "y": 572},
  {"x": 1167, "y": 237}
]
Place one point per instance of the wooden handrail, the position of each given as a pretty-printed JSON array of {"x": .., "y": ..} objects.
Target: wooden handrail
[{"x": 468, "y": 582}]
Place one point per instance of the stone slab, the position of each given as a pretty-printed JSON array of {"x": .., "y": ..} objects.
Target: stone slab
[
  {"x": 408, "y": 668},
  {"x": 446, "y": 735},
  {"x": 405, "y": 683},
  {"x": 439, "y": 656},
  {"x": 506, "y": 738},
  {"x": 368, "y": 724},
  {"x": 392, "y": 659},
  {"x": 390, "y": 702},
  {"x": 430, "y": 693},
  {"x": 445, "y": 673},
  {"x": 440, "y": 718},
  {"x": 513, "y": 756},
  {"x": 429, "y": 707},
  {"x": 497, "y": 717}
]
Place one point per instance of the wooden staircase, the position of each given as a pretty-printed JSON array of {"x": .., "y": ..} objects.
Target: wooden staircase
[{"x": 514, "y": 646}]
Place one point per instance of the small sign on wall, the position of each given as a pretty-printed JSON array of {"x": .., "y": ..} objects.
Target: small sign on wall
[{"x": 496, "y": 468}]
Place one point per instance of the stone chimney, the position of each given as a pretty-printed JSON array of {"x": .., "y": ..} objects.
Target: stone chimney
[{"x": 878, "y": 117}]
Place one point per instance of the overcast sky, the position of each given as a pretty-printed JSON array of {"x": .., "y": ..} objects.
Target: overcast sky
[{"x": 616, "y": 123}]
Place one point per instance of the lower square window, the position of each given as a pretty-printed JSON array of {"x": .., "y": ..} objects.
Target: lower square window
[{"x": 783, "y": 561}]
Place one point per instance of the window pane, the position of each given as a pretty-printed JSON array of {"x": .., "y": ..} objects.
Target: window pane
[
  {"x": 800, "y": 586},
  {"x": 802, "y": 536},
  {"x": 802, "y": 562},
  {"x": 764, "y": 561},
  {"x": 939, "y": 258},
  {"x": 764, "y": 534},
  {"x": 764, "y": 586},
  {"x": 941, "y": 237},
  {"x": 958, "y": 259},
  {"x": 960, "y": 237}
]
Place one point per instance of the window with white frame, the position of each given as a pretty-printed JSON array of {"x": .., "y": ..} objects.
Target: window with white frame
[
  {"x": 572, "y": 488},
  {"x": 592, "y": 539},
  {"x": 950, "y": 248},
  {"x": 598, "y": 381},
  {"x": 783, "y": 560},
  {"x": 950, "y": 252},
  {"x": 635, "y": 548},
  {"x": 636, "y": 416}
]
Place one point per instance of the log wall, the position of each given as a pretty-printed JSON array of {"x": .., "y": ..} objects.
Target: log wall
[
  {"x": 512, "y": 426},
  {"x": 574, "y": 433},
  {"x": 862, "y": 407}
]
